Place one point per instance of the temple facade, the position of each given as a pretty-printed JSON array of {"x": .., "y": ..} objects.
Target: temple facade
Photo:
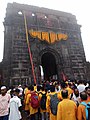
[{"x": 41, "y": 44}]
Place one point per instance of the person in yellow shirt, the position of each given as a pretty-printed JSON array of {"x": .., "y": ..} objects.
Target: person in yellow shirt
[
  {"x": 66, "y": 108},
  {"x": 48, "y": 104},
  {"x": 65, "y": 87},
  {"x": 33, "y": 111},
  {"x": 26, "y": 106},
  {"x": 25, "y": 89},
  {"x": 70, "y": 91},
  {"x": 81, "y": 114},
  {"x": 38, "y": 92},
  {"x": 68, "y": 88},
  {"x": 42, "y": 100},
  {"x": 35, "y": 87}
]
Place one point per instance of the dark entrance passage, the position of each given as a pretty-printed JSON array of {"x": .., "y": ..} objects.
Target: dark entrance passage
[{"x": 49, "y": 65}]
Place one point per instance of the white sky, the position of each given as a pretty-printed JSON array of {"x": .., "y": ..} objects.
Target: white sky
[{"x": 80, "y": 8}]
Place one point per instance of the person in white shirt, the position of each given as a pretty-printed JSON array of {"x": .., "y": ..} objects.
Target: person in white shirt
[
  {"x": 75, "y": 96},
  {"x": 15, "y": 106},
  {"x": 21, "y": 90},
  {"x": 81, "y": 86},
  {"x": 4, "y": 102}
]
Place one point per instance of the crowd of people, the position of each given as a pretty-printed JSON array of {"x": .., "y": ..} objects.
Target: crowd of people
[{"x": 65, "y": 100}]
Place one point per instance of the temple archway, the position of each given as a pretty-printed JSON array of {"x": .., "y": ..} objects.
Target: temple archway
[{"x": 48, "y": 63}]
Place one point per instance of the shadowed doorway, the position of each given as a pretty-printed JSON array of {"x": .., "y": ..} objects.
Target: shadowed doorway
[{"x": 48, "y": 62}]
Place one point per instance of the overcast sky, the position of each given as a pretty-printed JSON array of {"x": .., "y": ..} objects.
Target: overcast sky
[{"x": 80, "y": 8}]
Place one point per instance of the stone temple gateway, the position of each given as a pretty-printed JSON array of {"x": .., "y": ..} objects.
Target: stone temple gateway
[{"x": 55, "y": 44}]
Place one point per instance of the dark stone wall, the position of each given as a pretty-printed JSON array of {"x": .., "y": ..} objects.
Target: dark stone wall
[{"x": 69, "y": 54}]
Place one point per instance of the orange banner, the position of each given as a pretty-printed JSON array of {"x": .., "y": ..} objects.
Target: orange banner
[
  {"x": 62, "y": 36},
  {"x": 53, "y": 37},
  {"x": 49, "y": 37},
  {"x": 45, "y": 36},
  {"x": 35, "y": 34}
]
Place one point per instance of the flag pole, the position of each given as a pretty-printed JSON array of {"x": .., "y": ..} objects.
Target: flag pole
[{"x": 29, "y": 50}]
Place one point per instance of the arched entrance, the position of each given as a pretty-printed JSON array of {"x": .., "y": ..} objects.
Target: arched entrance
[{"x": 48, "y": 63}]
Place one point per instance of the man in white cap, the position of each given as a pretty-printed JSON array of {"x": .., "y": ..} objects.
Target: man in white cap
[{"x": 4, "y": 103}]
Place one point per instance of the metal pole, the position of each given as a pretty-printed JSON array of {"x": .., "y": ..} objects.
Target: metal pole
[{"x": 29, "y": 50}]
